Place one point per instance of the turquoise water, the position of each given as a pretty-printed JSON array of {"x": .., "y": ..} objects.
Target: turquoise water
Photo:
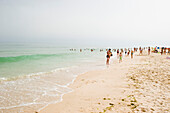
[
  {"x": 35, "y": 75},
  {"x": 19, "y": 60}
]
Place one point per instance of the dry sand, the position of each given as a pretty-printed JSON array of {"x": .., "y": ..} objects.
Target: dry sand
[{"x": 135, "y": 85}]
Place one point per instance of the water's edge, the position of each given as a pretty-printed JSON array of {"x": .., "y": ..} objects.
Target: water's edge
[{"x": 68, "y": 86}]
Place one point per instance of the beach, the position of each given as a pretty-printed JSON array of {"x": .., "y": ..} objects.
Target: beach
[
  {"x": 84, "y": 82},
  {"x": 84, "y": 56},
  {"x": 33, "y": 76},
  {"x": 134, "y": 85}
]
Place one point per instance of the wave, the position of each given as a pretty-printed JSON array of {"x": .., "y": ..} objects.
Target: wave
[
  {"x": 29, "y": 57},
  {"x": 64, "y": 69}
]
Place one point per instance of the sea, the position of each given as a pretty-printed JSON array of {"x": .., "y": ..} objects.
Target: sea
[{"x": 33, "y": 76}]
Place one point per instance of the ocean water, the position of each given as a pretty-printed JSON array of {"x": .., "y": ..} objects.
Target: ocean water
[{"x": 35, "y": 75}]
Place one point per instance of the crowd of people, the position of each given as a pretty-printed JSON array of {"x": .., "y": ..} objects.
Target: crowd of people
[
  {"x": 129, "y": 51},
  {"x": 126, "y": 52}
]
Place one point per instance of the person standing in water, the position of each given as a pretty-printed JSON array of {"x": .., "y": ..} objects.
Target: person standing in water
[{"x": 109, "y": 54}]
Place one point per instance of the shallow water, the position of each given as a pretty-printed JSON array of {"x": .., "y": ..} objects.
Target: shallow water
[{"x": 32, "y": 76}]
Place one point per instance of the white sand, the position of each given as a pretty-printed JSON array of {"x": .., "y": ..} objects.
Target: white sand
[{"x": 113, "y": 90}]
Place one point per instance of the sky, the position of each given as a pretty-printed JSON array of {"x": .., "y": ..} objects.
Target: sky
[{"x": 93, "y": 22}]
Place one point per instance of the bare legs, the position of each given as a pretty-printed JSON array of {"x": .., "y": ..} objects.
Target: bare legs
[{"x": 107, "y": 62}]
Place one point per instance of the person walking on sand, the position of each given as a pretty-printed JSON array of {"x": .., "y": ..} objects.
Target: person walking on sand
[
  {"x": 120, "y": 57},
  {"x": 149, "y": 50},
  {"x": 109, "y": 54},
  {"x": 131, "y": 53}
]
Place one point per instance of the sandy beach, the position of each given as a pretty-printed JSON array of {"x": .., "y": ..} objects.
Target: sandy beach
[
  {"x": 135, "y": 85},
  {"x": 84, "y": 56}
]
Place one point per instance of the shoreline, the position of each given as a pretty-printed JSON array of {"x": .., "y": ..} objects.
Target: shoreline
[
  {"x": 68, "y": 85},
  {"x": 101, "y": 90},
  {"x": 77, "y": 80},
  {"x": 55, "y": 87}
]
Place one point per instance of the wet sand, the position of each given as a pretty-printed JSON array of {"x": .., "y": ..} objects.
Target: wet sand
[{"x": 135, "y": 85}]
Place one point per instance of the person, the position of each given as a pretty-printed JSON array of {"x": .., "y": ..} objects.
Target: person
[
  {"x": 117, "y": 52},
  {"x": 122, "y": 50},
  {"x": 125, "y": 51},
  {"x": 162, "y": 49},
  {"x": 109, "y": 54},
  {"x": 131, "y": 53},
  {"x": 120, "y": 57},
  {"x": 140, "y": 49},
  {"x": 168, "y": 51},
  {"x": 128, "y": 52},
  {"x": 134, "y": 49},
  {"x": 165, "y": 50},
  {"x": 149, "y": 50}
]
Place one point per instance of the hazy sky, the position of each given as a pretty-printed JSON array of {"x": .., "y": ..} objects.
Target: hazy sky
[{"x": 109, "y": 22}]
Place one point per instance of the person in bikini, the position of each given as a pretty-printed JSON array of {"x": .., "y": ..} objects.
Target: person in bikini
[{"x": 109, "y": 54}]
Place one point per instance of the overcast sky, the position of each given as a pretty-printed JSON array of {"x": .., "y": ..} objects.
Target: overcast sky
[{"x": 99, "y": 21}]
